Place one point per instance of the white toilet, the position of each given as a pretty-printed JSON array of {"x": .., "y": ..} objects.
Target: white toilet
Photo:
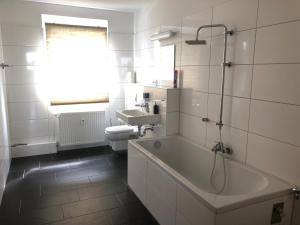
[{"x": 118, "y": 136}]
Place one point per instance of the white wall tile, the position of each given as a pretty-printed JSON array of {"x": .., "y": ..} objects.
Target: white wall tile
[
  {"x": 118, "y": 22},
  {"x": 120, "y": 41},
  {"x": 22, "y": 35},
  {"x": 22, "y": 56},
  {"x": 195, "y": 54},
  {"x": 120, "y": 58},
  {"x": 191, "y": 23},
  {"x": 195, "y": 78},
  {"x": 27, "y": 111},
  {"x": 193, "y": 102},
  {"x": 275, "y": 120},
  {"x": 193, "y": 128},
  {"x": 173, "y": 100},
  {"x": 277, "y": 11},
  {"x": 172, "y": 123},
  {"x": 22, "y": 93},
  {"x": 274, "y": 157},
  {"x": 29, "y": 129},
  {"x": 117, "y": 90},
  {"x": 234, "y": 138},
  {"x": 237, "y": 80},
  {"x": 142, "y": 39},
  {"x": 278, "y": 44},
  {"x": 1, "y": 52},
  {"x": 34, "y": 149},
  {"x": 24, "y": 75},
  {"x": 240, "y": 48},
  {"x": 277, "y": 82},
  {"x": 119, "y": 74},
  {"x": 156, "y": 93},
  {"x": 235, "y": 111},
  {"x": 237, "y": 15},
  {"x": 115, "y": 105}
]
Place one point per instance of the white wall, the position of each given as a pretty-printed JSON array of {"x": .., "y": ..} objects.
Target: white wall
[
  {"x": 30, "y": 120},
  {"x": 262, "y": 107},
  {"x": 4, "y": 133}
]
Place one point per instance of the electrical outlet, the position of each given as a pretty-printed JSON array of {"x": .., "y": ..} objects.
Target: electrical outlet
[{"x": 277, "y": 213}]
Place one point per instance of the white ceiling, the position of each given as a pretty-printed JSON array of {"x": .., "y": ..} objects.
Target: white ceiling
[{"x": 119, "y": 5}]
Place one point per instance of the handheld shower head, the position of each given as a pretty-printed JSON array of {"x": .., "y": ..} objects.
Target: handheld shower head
[{"x": 196, "y": 42}]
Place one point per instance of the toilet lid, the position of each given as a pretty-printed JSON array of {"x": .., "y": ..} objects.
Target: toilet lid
[{"x": 120, "y": 129}]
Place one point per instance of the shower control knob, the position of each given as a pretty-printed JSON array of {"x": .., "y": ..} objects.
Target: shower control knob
[
  {"x": 205, "y": 119},
  {"x": 296, "y": 192},
  {"x": 228, "y": 64}
]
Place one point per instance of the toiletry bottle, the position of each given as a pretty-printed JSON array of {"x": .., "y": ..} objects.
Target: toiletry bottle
[
  {"x": 175, "y": 79},
  {"x": 155, "y": 109}
]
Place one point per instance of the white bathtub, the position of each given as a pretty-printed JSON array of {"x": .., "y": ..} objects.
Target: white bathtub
[{"x": 171, "y": 176}]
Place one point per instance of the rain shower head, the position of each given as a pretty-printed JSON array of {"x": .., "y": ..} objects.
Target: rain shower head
[{"x": 196, "y": 42}]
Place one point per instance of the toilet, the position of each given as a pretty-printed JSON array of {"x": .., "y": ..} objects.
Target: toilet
[{"x": 118, "y": 136}]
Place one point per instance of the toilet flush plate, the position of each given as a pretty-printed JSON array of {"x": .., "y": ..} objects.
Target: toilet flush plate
[{"x": 137, "y": 117}]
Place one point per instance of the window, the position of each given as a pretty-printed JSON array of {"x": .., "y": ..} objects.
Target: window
[{"x": 76, "y": 59}]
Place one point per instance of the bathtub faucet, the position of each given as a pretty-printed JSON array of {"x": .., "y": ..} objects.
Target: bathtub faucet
[
  {"x": 143, "y": 129},
  {"x": 220, "y": 147}
]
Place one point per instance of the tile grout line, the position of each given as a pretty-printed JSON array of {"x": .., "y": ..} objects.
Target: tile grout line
[
  {"x": 251, "y": 84},
  {"x": 20, "y": 206}
]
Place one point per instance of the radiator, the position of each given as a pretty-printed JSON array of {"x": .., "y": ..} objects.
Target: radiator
[{"x": 81, "y": 128}]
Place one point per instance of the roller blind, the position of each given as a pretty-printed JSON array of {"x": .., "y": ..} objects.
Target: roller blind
[{"x": 76, "y": 59}]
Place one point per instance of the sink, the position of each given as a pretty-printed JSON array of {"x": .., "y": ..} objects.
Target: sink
[{"x": 137, "y": 117}]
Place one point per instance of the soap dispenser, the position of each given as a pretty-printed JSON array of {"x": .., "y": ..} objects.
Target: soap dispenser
[{"x": 155, "y": 109}]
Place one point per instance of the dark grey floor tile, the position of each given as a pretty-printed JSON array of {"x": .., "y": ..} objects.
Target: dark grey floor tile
[
  {"x": 21, "y": 164},
  {"x": 127, "y": 197},
  {"x": 42, "y": 216},
  {"x": 109, "y": 175},
  {"x": 11, "y": 220},
  {"x": 92, "y": 219},
  {"x": 102, "y": 189},
  {"x": 77, "y": 173},
  {"x": 129, "y": 213},
  {"x": 46, "y": 201},
  {"x": 90, "y": 206},
  {"x": 63, "y": 185},
  {"x": 52, "y": 189}
]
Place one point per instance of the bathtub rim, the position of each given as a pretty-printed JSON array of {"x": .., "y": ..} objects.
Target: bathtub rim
[{"x": 218, "y": 203}]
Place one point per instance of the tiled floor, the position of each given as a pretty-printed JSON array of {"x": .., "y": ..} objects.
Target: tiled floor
[{"x": 82, "y": 187}]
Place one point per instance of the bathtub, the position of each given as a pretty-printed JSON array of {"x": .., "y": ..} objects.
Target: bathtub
[{"x": 171, "y": 177}]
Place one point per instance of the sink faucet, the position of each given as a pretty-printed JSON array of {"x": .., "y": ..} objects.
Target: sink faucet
[
  {"x": 144, "y": 106},
  {"x": 220, "y": 147}
]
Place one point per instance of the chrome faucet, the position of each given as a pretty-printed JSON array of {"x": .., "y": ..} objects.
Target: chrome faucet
[
  {"x": 143, "y": 129},
  {"x": 144, "y": 106},
  {"x": 220, "y": 147}
]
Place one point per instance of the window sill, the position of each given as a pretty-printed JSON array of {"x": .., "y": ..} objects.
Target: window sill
[{"x": 81, "y": 108}]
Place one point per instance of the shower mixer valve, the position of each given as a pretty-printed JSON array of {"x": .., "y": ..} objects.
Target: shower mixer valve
[{"x": 220, "y": 147}]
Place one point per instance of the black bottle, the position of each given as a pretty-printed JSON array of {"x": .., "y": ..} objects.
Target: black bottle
[{"x": 155, "y": 109}]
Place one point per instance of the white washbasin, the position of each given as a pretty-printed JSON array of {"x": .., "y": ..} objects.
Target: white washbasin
[{"x": 137, "y": 117}]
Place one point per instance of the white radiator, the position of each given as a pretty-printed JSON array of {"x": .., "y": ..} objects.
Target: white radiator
[{"x": 81, "y": 128}]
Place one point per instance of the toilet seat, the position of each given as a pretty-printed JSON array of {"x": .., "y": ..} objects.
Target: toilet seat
[
  {"x": 121, "y": 132},
  {"x": 118, "y": 136},
  {"x": 119, "y": 129}
]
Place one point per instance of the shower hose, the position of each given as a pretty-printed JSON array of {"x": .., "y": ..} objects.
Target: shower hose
[{"x": 214, "y": 167}]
